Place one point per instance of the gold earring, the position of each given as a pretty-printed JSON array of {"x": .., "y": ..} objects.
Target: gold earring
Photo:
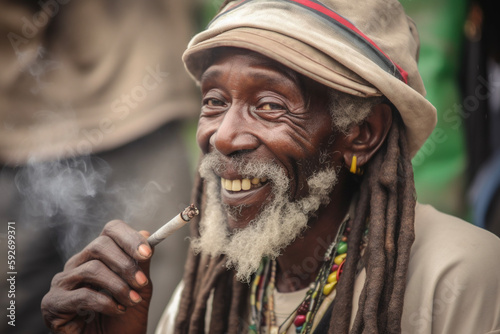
[{"x": 354, "y": 169}]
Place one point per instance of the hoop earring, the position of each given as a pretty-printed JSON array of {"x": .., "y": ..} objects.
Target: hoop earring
[{"x": 354, "y": 168}]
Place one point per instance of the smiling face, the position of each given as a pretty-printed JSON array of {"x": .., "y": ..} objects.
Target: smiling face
[{"x": 256, "y": 110}]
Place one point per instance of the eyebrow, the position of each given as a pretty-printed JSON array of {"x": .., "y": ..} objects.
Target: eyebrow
[
  {"x": 289, "y": 73},
  {"x": 210, "y": 74},
  {"x": 271, "y": 80}
]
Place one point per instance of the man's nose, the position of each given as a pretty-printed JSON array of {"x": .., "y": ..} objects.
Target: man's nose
[{"x": 235, "y": 133}]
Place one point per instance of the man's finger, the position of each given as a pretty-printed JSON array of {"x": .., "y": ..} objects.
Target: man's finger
[
  {"x": 105, "y": 249},
  {"x": 99, "y": 277},
  {"x": 131, "y": 241},
  {"x": 61, "y": 307}
]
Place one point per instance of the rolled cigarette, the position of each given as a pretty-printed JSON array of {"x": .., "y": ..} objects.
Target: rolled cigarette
[{"x": 173, "y": 225}]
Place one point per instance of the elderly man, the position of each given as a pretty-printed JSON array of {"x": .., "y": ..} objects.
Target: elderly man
[{"x": 311, "y": 112}]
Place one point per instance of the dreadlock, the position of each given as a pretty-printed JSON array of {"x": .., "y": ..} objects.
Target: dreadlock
[{"x": 387, "y": 199}]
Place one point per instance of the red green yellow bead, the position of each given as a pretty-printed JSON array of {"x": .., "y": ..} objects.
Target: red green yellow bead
[
  {"x": 339, "y": 258},
  {"x": 329, "y": 288},
  {"x": 332, "y": 277},
  {"x": 342, "y": 247},
  {"x": 299, "y": 320}
]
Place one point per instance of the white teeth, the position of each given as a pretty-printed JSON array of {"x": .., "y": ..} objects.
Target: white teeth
[{"x": 244, "y": 184}]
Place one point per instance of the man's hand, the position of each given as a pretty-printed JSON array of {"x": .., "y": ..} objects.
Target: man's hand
[{"x": 105, "y": 288}]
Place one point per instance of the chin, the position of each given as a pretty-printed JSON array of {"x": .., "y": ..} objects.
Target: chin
[{"x": 239, "y": 218}]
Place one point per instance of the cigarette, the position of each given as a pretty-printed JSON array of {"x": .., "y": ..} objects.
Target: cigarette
[{"x": 173, "y": 225}]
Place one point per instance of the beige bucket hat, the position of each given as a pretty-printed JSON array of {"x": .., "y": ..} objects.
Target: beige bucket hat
[{"x": 365, "y": 48}]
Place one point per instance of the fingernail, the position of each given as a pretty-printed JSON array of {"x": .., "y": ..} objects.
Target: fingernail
[
  {"x": 121, "y": 308},
  {"x": 134, "y": 296},
  {"x": 140, "y": 278},
  {"x": 144, "y": 250}
]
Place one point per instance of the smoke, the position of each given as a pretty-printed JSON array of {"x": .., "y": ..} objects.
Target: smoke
[
  {"x": 61, "y": 195},
  {"x": 142, "y": 201},
  {"x": 61, "y": 187},
  {"x": 75, "y": 197}
]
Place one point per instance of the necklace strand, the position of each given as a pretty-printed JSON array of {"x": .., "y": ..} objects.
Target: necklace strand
[{"x": 263, "y": 286}]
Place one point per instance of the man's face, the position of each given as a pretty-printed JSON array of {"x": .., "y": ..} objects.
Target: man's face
[{"x": 254, "y": 109}]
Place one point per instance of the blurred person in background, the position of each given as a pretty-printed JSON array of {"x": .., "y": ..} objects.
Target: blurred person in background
[
  {"x": 93, "y": 105},
  {"x": 481, "y": 112},
  {"x": 458, "y": 169}
]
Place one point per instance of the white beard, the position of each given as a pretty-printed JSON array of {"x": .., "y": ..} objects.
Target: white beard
[{"x": 278, "y": 224}]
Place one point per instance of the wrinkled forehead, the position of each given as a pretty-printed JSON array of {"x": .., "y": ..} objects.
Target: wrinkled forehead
[{"x": 222, "y": 55}]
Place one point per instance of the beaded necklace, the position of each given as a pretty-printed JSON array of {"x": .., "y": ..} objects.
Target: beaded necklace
[{"x": 316, "y": 301}]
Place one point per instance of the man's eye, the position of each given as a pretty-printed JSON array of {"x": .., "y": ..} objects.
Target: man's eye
[
  {"x": 212, "y": 102},
  {"x": 271, "y": 106}
]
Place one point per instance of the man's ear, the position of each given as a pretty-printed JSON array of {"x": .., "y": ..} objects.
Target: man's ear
[{"x": 364, "y": 139}]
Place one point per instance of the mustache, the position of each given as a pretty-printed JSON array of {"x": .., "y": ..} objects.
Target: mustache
[{"x": 217, "y": 163}]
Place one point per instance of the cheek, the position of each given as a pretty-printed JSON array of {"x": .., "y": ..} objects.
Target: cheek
[
  {"x": 306, "y": 142},
  {"x": 203, "y": 133}
]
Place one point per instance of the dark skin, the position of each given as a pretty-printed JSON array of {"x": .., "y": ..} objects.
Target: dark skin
[
  {"x": 105, "y": 288},
  {"x": 252, "y": 107}
]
